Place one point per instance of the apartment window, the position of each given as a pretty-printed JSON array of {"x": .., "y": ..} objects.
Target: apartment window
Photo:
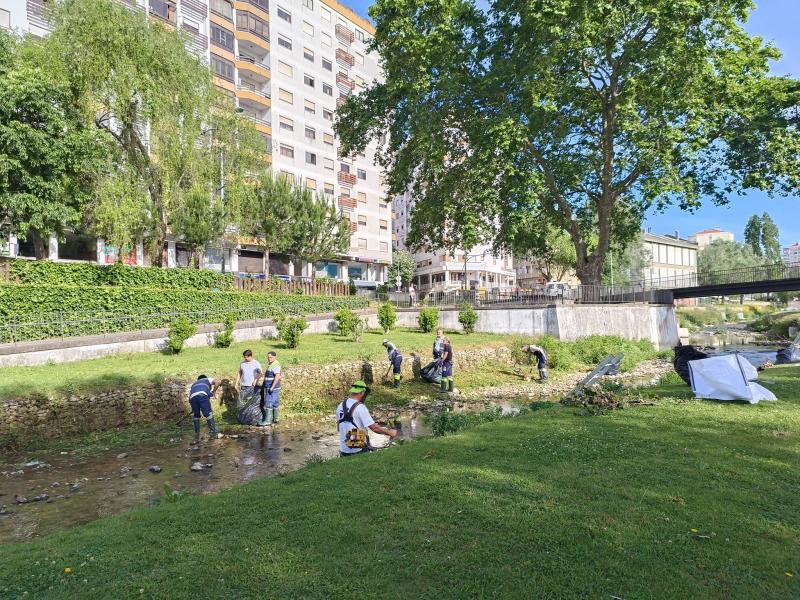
[
  {"x": 285, "y": 15},
  {"x": 327, "y": 40},
  {"x": 384, "y": 246},
  {"x": 286, "y": 124},
  {"x": 326, "y": 14},
  {"x": 362, "y": 220},
  {"x": 286, "y": 96},
  {"x": 308, "y": 29},
  {"x": 287, "y": 151},
  {"x": 311, "y": 184},
  {"x": 191, "y": 24},
  {"x": 285, "y": 68},
  {"x": 362, "y": 243},
  {"x": 359, "y": 35},
  {"x": 360, "y": 81},
  {"x": 311, "y": 134},
  {"x": 362, "y": 197},
  {"x": 327, "y": 138},
  {"x": 344, "y": 168},
  {"x": 384, "y": 205},
  {"x": 222, "y": 68},
  {"x": 308, "y": 80},
  {"x": 308, "y": 54},
  {"x": 311, "y": 158},
  {"x": 284, "y": 42},
  {"x": 327, "y": 163},
  {"x": 285, "y": 175},
  {"x": 247, "y": 22},
  {"x": 311, "y": 108},
  {"x": 384, "y": 225},
  {"x": 309, "y": 4},
  {"x": 327, "y": 65},
  {"x": 362, "y": 174},
  {"x": 222, "y": 7},
  {"x": 327, "y": 114},
  {"x": 329, "y": 189},
  {"x": 327, "y": 89},
  {"x": 359, "y": 58}
]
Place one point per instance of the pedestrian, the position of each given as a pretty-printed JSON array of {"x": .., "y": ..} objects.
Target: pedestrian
[
  {"x": 540, "y": 355},
  {"x": 200, "y": 395},
  {"x": 247, "y": 379},
  {"x": 438, "y": 343},
  {"x": 412, "y": 295},
  {"x": 271, "y": 391},
  {"x": 447, "y": 367},
  {"x": 353, "y": 420},
  {"x": 396, "y": 360}
]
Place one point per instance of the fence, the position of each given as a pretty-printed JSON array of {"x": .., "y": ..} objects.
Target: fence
[{"x": 773, "y": 272}]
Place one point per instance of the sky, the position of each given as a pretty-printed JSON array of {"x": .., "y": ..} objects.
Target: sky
[{"x": 777, "y": 21}]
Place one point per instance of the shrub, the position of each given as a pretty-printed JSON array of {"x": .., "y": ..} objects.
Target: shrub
[
  {"x": 467, "y": 317},
  {"x": 290, "y": 329},
  {"x": 451, "y": 422},
  {"x": 225, "y": 337},
  {"x": 587, "y": 352},
  {"x": 346, "y": 322},
  {"x": 180, "y": 330},
  {"x": 428, "y": 319},
  {"x": 387, "y": 317}
]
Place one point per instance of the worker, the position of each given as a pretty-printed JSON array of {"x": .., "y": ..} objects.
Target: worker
[
  {"x": 396, "y": 359},
  {"x": 447, "y": 367},
  {"x": 200, "y": 395},
  {"x": 540, "y": 355},
  {"x": 270, "y": 393},
  {"x": 247, "y": 378},
  {"x": 438, "y": 343},
  {"x": 353, "y": 420}
]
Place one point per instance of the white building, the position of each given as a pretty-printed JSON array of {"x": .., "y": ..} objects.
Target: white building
[
  {"x": 669, "y": 256},
  {"x": 288, "y": 64},
  {"x": 791, "y": 254},
  {"x": 442, "y": 271},
  {"x": 709, "y": 236}
]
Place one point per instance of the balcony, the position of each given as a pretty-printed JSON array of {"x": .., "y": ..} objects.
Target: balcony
[
  {"x": 340, "y": 101},
  {"x": 348, "y": 179},
  {"x": 253, "y": 60},
  {"x": 254, "y": 68},
  {"x": 344, "y": 34},
  {"x": 353, "y": 226},
  {"x": 251, "y": 88},
  {"x": 347, "y": 203},
  {"x": 163, "y": 10},
  {"x": 197, "y": 43},
  {"x": 344, "y": 82},
  {"x": 343, "y": 57}
]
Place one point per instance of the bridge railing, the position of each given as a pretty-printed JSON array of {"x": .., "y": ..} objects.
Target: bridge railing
[{"x": 772, "y": 272}]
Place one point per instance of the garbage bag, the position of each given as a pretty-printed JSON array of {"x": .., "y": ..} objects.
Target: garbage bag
[
  {"x": 250, "y": 414},
  {"x": 432, "y": 372},
  {"x": 788, "y": 355},
  {"x": 683, "y": 354},
  {"x": 727, "y": 377}
]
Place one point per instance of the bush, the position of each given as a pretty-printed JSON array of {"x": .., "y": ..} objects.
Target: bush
[
  {"x": 387, "y": 317},
  {"x": 225, "y": 337},
  {"x": 180, "y": 330},
  {"x": 467, "y": 317},
  {"x": 428, "y": 319},
  {"x": 587, "y": 352},
  {"x": 346, "y": 322},
  {"x": 290, "y": 329}
]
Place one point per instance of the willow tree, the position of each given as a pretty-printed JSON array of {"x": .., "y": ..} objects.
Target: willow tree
[
  {"x": 586, "y": 113},
  {"x": 157, "y": 101}
]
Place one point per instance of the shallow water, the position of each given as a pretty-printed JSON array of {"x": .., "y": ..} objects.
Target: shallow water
[{"x": 80, "y": 490}]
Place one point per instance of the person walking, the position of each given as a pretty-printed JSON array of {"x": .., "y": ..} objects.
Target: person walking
[
  {"x": 353, "y": 420},
  {"x": 200, "y": 395},
  {"x": 271, "y": 391},
  {"x": 396, "y": 360},
  {"x": 412, "y": 295},
  {"x": 247, "y": 379},
  {"x": 540, "y": 355},
  {"x": 447, "y": 367}
]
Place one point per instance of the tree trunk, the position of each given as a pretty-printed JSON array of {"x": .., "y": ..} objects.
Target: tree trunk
[
  {"x": 266, "y": 263},
  {"x": 40, "y": 247}
]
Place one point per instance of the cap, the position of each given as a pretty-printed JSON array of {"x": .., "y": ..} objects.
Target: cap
[
  {"x": 358, "y": 387},
  {"x": 385, "y": 341}
]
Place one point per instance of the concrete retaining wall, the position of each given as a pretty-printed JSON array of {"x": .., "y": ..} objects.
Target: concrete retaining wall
[{"x": 629, "y": 321}]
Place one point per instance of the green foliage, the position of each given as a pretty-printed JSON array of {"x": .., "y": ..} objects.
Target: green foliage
[
  {"x": 42, "y": 272},
  {"x": 451, "y": 422},
  {"x": 761, "y": 234},
  {"x": 588, "y": 351},
  {"x": 625, "y": 262},
  {"x": 272, "y": 215},
  {"x": 353, "y": 288},
  {"x": 321, "y": 230},
  {"x": 180, "y": 330},
  {"x": 199, "y": 220},
  {"x": 346, "y": 321},
  {"x": 428, "y": 319},
  {"x": 467, "y": 317},
  {"x": 722, "y": 255},
  {"x": 225, "y": 337},
  {"x": 548, "y": 248},
  {"x": 290, "y": 329},
  {"x": 387, "y": 316},
  {"x": 752, "y": 235},
  {"x": 403, "y": 265},
  {"x": 777, "y": 325},
  {"x": 34, "y": 312}
]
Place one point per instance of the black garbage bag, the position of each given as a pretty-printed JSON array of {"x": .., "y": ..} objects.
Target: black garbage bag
[
  {"x": 432, "y": 372},
  {"x": 250, "y": 414},
  {"x": 788, "y": 355},
  {"x": 683, "y": 354}
]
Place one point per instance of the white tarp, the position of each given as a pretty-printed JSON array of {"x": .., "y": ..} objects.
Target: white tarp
[{"x": 727, "y": 377}]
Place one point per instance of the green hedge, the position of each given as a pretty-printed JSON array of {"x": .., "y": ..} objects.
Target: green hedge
[
  {"x": 33, "y": 312},
  {"x": 44, "y": 272}
]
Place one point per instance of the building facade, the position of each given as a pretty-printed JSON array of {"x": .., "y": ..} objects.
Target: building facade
[
  {"x": 443, "y": 271},
  {"x": 288, "y": 65},
  {"x": 669, "y": 256},
  {"x": 791, "y": 254},
  {"x": 709, "y": 236}
]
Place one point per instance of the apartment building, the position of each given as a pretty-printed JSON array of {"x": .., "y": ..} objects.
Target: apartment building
[
  {"x": 669, "y": 256},
  {"x": 288, "y": 65},
  {"x": 442, "y": 271},
  {"x": 709, "y": 236},
  {"x": 791, "y": 254}
]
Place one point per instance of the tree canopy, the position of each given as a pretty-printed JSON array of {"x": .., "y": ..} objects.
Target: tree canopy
[
  {"x": 403, "y": 265},
  {"x": 761, "y": 234},
  {"x": 321, "y": 231},
  {"x": 722, "y": 255},
  {"x": 586, "y": 113}
]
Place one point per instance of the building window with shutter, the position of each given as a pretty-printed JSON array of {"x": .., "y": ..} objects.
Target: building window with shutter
[
  {"x": 286, "y": 96},
  {"x": 287, "y": 151}
]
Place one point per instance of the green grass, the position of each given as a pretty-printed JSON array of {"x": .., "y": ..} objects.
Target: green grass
[
  {"x": 777, "y": 325},
  {"x": 685, "y": 499},
  {"x": 130, "y": 369}
]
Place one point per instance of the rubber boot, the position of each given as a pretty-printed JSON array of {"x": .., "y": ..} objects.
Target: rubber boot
[
  {"x": 196, "y": 423},
  {"x": 543, "y": 375},
  {"x": 443, "y": 386},
  {"x": 268, "y": 417},
  {"x": 449, "y": 384},
  {"x": 397, "y": 381},
  {"x": 212, "y": 427},
  {"x": 275, "y": 416}
]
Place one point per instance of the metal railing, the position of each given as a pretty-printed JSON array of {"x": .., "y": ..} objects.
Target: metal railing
[
  {"x": 253, "y": 60},
  {"x": 249, "y": 87},
  {"x": 773, "y": 272}
]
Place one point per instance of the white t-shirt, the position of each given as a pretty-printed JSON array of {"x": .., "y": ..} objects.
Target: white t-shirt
[{"x": 361, "y": 419}]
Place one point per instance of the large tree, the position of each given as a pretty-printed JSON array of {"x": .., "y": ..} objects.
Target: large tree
[
  {"x": 586, "y": 112},
  {"x": 321, "y": 232},
  {"x": 49, "y": 158},
  {"x": 403, "y": 265},
  {"x": 752, "y": 235},
  {"x": 770, "y": 239},
  {"x": 724, "y": 255},
  {"x": 548, "y": 248}
]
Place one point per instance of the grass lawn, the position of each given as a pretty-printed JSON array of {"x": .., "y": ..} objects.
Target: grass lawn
[
  {"x": 685, "y": 499},
  {"x": 128, "y": 369}
]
